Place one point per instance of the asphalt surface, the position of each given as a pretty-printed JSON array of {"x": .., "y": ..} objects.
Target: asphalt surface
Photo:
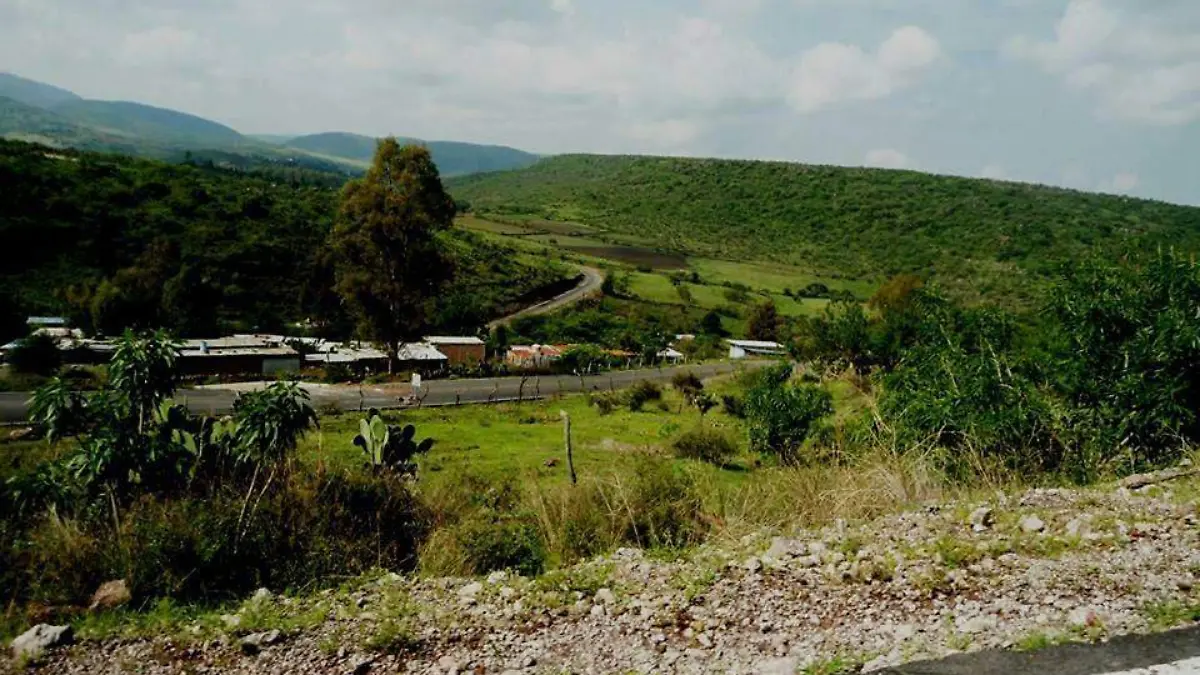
[
  {"x": 219, "y": 400},
  {"x": 592, "y": 280},
  {"x": 1125, "y": 653}
]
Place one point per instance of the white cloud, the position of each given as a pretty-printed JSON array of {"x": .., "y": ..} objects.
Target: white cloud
[
  {"x": 1139, "y": 68},
  {"x": 563, "y": 6},
  {"x": 833, "y": 72},
  {"x": 887, "y": 158}
]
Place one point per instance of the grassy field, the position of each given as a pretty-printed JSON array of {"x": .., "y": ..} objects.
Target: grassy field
[
  {"x": 517, "y": 440},
  {"x": 658, "y": 288}
]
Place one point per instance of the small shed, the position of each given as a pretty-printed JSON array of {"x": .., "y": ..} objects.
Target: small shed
[{"x": 462, "y": 351}]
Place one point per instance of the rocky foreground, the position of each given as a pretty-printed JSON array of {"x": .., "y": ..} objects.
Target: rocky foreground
[{"x": 1019, "y": 572}]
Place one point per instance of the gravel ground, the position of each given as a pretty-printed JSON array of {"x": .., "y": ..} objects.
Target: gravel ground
[{"x": 1022, "y": 571}]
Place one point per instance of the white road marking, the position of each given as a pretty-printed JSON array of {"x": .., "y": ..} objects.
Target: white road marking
[{"x": 1185, "y": 667}]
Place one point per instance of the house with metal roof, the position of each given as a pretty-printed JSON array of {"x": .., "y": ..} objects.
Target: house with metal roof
[
  {"x": 462, "y": 351},
  {"x": 744, "y": 349}
]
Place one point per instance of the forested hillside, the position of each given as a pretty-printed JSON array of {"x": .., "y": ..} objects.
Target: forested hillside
[
  {"x": 33, "y": 93},
  {"x": 136, "y": 119},
  {"x": 41, "y": 113},
  {"x": 981, "y": 238},
  {"x": 119, "y": 242},
  {"x": 453, "y": 159}
]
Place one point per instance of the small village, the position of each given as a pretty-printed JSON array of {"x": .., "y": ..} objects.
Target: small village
[{"x": 257, "y": 356}]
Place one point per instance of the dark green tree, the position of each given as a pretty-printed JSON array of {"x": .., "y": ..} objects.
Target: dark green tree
[
  {"x": 37, "y": 354},
  {"x": 390, "y": 263},
  {"x": 764, "y": 322}
]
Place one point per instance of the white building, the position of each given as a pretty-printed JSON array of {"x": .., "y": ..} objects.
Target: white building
[{"x": 744, "y": 349}]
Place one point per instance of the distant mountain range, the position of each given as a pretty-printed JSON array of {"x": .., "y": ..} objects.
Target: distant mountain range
[{"x": 42, "y": 113}]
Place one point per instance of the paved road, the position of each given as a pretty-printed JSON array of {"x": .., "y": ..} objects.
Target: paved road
[
  {"x": 219, "y": 400},
  {"x": 1172, "y": 653},
  {"x": 592, "y": 280}
]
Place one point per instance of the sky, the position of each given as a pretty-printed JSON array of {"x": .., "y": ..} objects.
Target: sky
[{"x": 1099, "y": 95}]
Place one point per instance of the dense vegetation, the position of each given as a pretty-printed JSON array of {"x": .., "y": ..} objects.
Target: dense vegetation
[
  {"x": 1105, "y": 379},
  {"x": 118, "y": 242},
  {"x": 979, "y": 238}
]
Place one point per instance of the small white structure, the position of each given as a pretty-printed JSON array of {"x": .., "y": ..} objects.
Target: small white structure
[
  {"x": 671, "y": 354},
  {"x": 744, "y": 349}
]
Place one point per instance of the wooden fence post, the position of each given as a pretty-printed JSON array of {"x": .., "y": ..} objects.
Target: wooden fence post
[{"x": 567, "y": 439}]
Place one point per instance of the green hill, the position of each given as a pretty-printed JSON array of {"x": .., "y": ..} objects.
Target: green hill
[
  {"x": 148, "y": 122},
  {"x": 452, "y": 158},
  {"x": 981, "y": 238},
  {"x": 116, "y": 241},
  {"x": 33, "y": 93}
]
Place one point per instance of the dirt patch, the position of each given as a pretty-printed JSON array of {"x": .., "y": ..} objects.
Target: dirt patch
[{"x": 638, "y": 257}]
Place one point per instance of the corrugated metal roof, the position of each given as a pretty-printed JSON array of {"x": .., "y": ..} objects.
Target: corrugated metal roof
[
  {"x": 45, "y": 321},
  {"x": 754, "y": 344},
  {"x": 451, "y": 340},
  {"x": 420, "y": 351}
]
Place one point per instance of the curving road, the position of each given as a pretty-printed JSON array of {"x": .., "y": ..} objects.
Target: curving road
[
  {"x": 592, "y": 280},
  {"x": 219, "y": 399}
]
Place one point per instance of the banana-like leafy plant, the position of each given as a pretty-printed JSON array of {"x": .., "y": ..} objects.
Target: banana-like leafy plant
[{"x": 390, "y": 448}]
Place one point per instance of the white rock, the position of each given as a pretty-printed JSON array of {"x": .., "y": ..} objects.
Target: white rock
[
  {"x": 447, "y": 664},
  {"x": 752, "y": 565},
  {"x": 605, "y": 596},
  {"x": 978, "y": 624},
  {"x": 1031, "y": 524},
  {"x": 34, "y": 642},
  {"x": 262, "y": 595},
  {"x": 982, "y": 518},
  {"x": 808, "y": 561},
  {"x": 785, "y": 666},
  {"x": 497, "y": 577},
  {"x": 1083, "y": 616},
  {"x": 470, "y": 590}
]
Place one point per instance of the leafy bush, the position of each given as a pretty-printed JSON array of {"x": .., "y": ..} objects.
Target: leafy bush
[
  {"x": 502, "y": 542},
  {"x": 781, "y": 414},
  {"x": 37, "y": 354},
  {"x": 734, "y": 406},
  {"x": 606, "y": 402},
  {"x": 707, "y": 445},
  {"x": 687, "y": 383},
  {"x": 642, "y": 393}
]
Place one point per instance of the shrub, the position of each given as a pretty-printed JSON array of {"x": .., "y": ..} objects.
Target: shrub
[
  {"x": 642, "y": 393},
  {"x": 501, "y": 542},
  {"x": 663, "y": 507},
  {"x": 308, "y": 531},
  {"x": 337, "y": 373},
  {"x": 37, "y": 354},
  {"x": 734, "y": 406},
  {"x": 687, "y": 383},
  {"x": 606, "y": 402},
  {"x": 707, "y": 445},
  {"x": 781, "y": 414}
]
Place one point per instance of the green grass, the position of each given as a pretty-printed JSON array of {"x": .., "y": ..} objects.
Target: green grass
[
  {"x": 1170, "y": 614},
  {"x": 511, "y": 440}
]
